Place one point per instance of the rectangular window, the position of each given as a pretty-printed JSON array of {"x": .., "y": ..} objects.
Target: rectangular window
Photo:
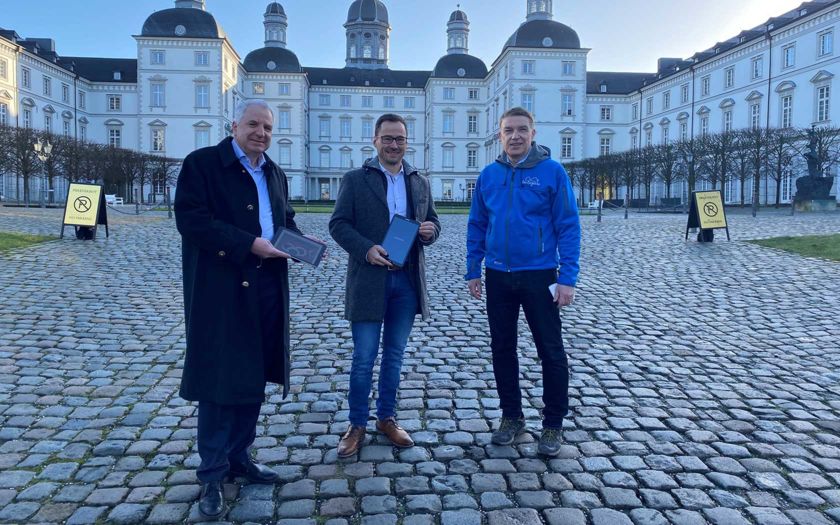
[
  {"x": 158, "y": 57},
  {"x": 448, "y": 158},
  {"x": 683, "y": 130},
  {"x": 449, "y": 123},
  {"x": 472, "y": 158},
  {"x": 666, "y": 100},
  {"x": 472, "y": 124},
  {"x": 528, "y": 102},
  {"x": 284, "y": 89},
  {"x": 666, "y": 131},
  {"x": 114, "y": 103},
  {"x": 324, "y": 128},
  {"x": 729, "y": 77},
  {"x": 635, "y": 111},
  {"x": 606, "y": 113},
  {"x": 202, "y": 96},
  {"x": 114, "y": 137},
  {"x": 345, "y": 158},
  {"x": 4, "y": 115},
  {"x": 25, "y": 77},
  {"x": 346, "y": 101},
  {"x": 258, "y": 88},
  {"x": 4, "y": 68},
  {"x": 83, "y": 133},
  {"x": 410, "y": 128},
  {"x": 346, "y": 124},
  {"x": 388, "y": 102},
  {"x": 65, "y": 93},
  {"x": 825, "y": 44},
  {"x": 158, "y": 140},
  {"x": 705, "y": 86},
  {"x": 567, "y": 104},
  {"x": 408, "y": 102},
  {"x": 284, "y": 120},
  {"x": 202, "y": 138},
  {"x": 158, "y": 95},
  {"x": 788, "y": 56},
  {"x": 448, "y": 185},
  {"x": 473, "y": 94},
  {"x": 367, "y": 129},
  {"x": 634, "y": 141},
  {"x": 528, "y": 67},
  {"x": 367, "y": 101},
  {"x": 684, "y": 93},
  {"x": 66, "y": 128},
  {"x": 48, "y": 122},
  {"x": 606, "y": 145},
  {"x": 27, "y": 118},
  {"x": 823, "y": 103},
  {"x": 568, "y": 68},
  {"x": 648, "y": 137},
  {"x": 285, "y": 154},
  {"x": 755, "y": 116},
  {"x": 704, "y": 126},
  {"x": 325, "y": 158},
  {"x": 323, "y": 100},
  {"x": 448, "y": 93},
  {"x": 757, "y": 67},
  {"x": 47, "y": 86},
  {"x": 787, "y": 111},
  {"x": 649, "y": 107},
  {"x": 470, "y": 189},
  {"x": 727, "y": 121},
  {"x": 202, "y": 58},
  {"x": 566, "y": 147},
  {"x": 82, "y": 100}
]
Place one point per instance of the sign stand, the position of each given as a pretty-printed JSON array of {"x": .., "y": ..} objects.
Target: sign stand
[
  {"x": 85, "y": 208},
  {"x": 707, "y": 213}
]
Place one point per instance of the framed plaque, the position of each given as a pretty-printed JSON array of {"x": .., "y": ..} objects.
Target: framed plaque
[
  {"x": 399, "y": 239},
  {"x": 299, "y": 247}
]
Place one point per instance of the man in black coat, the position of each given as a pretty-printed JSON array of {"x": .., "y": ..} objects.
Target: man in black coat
[
  {"x": 230, "y": 200},
  {"x": 381, "y": 299}
]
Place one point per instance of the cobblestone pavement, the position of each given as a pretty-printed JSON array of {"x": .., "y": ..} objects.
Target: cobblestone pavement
[{"x": 704, "y": 387}]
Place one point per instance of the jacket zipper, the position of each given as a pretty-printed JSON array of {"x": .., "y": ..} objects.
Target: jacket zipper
[
  {"x": 507, "y": 217},
  {"x": 540, "y": 243}
]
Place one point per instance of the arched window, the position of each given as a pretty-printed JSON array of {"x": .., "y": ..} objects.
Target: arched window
[
  {"x": 367, "y": 52},
  {"x": 353, "y": 51},
  {"x": 381, "y": 52}
]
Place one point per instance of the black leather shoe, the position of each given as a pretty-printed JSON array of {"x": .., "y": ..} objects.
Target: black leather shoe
[
  {"x": 253, "y": 472},
  {"x": 212, "y": 502}
]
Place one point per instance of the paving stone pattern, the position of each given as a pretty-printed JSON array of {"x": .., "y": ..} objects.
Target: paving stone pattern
[{"x": 704, "y": 388}]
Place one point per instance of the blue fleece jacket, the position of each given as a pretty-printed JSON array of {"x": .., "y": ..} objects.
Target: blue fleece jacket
[{"x": 524, "y": 217}]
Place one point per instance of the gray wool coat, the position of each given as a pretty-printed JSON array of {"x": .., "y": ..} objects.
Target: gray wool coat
[{"x": 359, "y": 222}]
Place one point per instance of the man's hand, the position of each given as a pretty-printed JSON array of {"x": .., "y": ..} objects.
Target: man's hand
[
  {"x": 427, "y": 230},
  {"x": 377, "y": 256},
  {"x": 263, "y": 249},
  {"x": 474, "y": 286},
  {"x": 564, "y": 295}
]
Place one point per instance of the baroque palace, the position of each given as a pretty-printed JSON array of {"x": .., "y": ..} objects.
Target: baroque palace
[{"x": 179, "y": 92}]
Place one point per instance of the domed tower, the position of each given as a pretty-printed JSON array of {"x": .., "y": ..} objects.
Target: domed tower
[
  {"x": 539, "y": 10},
  {"x": 368, "y": 33},
  {"x": 275, "y": 23},
  {"x": 458, "y": 33}
]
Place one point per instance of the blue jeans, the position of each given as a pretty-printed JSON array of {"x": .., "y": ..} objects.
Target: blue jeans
[{"x": 400, "y": 309}]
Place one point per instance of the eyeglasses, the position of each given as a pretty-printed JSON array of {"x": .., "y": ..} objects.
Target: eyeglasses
[{"x": 387, "y": 139}]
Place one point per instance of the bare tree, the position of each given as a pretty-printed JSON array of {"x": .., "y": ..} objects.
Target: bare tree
[
  {"x": 827, "y": 147},
  {"x": 719, "y": 151},
  {"x": 755, "y": 143},
  {"x": 647, "y": 168},
  {"x": 664, "y": 158},
  {"x": 576, "y": 173},
  {"x": 21, "y": 159},
  {"x": 781, "y": 152}
]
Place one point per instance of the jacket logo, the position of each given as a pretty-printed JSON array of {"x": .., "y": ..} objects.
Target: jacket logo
[{"x": 531, "y": 181}]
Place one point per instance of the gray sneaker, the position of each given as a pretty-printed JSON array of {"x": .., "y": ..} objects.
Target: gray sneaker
[
  {"x": 508, "y": 430},
  {"x": 550, "y": 442}
]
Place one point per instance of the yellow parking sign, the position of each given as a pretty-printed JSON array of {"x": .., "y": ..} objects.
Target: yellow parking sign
[
  {"x": 710, "y": 210},
  {"x": 85, "y": 206}
]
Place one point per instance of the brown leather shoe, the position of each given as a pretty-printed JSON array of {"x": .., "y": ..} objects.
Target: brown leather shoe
[
  {"x": 395, "y": 433},
  {"x": 351, "y": 441}
]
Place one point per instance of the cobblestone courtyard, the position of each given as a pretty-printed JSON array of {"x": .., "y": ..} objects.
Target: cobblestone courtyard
[{"x": 704, "y": 384}]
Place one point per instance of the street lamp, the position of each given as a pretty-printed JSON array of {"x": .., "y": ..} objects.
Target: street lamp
[
  {"x": 43, "y": 149},
  {"x": 463, "y": 192}
]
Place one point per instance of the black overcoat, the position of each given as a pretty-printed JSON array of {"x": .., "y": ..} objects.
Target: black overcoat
[{"x": 217, "y": 213}]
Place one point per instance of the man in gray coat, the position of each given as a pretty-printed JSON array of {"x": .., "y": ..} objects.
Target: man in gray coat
[{"x": 381, "y": 299}]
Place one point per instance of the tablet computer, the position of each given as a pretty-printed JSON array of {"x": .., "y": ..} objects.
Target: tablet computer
[
  {"x": 299, "y": 247},
  {"x": 400, "y": 238}
]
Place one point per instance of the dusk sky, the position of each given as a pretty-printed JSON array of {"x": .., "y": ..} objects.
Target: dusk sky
[{"x": 623, "y": 35}]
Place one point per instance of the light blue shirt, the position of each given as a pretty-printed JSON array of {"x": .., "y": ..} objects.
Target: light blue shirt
[
  {"x": 523, "y": 159},
  {"x": 266, "y": 217},
  {"x": 397, "y": 198}
]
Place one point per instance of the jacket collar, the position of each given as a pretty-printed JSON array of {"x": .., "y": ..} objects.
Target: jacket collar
[
  {"x": 373, "y": 164},
  {"x": 374, "y": 177},
  {"x": 535, "y": 156},
  {"x": 229, "y": 158}
]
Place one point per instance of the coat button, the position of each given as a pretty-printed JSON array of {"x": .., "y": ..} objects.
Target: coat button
[
  {"x": 249, "y": 207},
  {"x": 245, "y": 284},
  {"x": 221, "y": 253}
]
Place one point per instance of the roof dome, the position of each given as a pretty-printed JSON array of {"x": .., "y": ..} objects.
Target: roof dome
[
  {"x": 275, "y": 8},
  {"x": 458, "y": 16},
  {"x": 367, "y": 11},
  {"x": 272, "y": 60},
  {"x": 181, "y": 22},
  {"x": 544, "y": 33},
  {"x": 460, "y": 65}
]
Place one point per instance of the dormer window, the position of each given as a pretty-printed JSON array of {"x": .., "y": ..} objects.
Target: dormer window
[
  {"x": 117, "y": 75},
  {"x": 803, "y": 12},
  {"x": 603, "y": 87}
]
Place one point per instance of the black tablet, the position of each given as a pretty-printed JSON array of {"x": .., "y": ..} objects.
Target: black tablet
[
  {"x": 400, "y": 238},
  {"x": 299, "y": 247}
]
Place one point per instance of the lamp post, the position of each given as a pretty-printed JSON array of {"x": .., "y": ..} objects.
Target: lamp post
[
  {"x": 689, "y": 159},
  {"x": 43, "y": 149},
  {"x": 463, "y": 193}
]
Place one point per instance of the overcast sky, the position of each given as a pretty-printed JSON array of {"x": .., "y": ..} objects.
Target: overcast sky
[{"x": 623, "y": 35}]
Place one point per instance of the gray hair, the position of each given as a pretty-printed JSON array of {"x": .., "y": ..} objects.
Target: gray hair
[{"x": 243, "y": 105}]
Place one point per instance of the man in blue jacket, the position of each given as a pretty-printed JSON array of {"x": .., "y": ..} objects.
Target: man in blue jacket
[{"x": 524, "y": 225}]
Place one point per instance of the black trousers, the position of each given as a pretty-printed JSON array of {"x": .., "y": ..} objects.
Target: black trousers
[
  {"x": 506, "y": 292},
  {"x": 226, "y": 432}
]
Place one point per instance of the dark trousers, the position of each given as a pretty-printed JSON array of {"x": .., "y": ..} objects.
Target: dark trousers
[
  {"x": 226, "y": 432},
  {"x": 506, "y": 292}
]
